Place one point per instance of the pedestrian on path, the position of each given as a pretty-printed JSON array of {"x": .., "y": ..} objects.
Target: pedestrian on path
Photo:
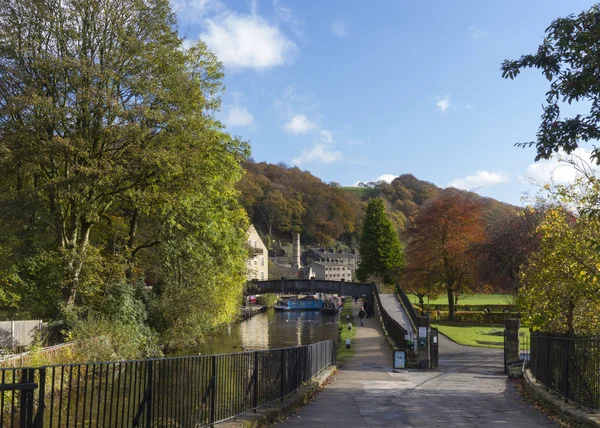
[{"x": 361, "y": 315}]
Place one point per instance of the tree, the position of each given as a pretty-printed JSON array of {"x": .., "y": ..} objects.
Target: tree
[
  {"x": 442, "y": 240},
  {"x": 560, "y": 289},
  {"x": 113, "y": 168},
  {"x": 569, "y": 59},
  {"x": 510, "y": 239},
  {"x": 381, "y": 253}
]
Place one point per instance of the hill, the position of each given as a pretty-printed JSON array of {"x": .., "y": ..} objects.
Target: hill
[{"x": 281, "y": 199}]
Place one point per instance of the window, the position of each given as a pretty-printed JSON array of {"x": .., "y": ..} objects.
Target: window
[
  {"x": 262, "y": 261},
  {"x": 254, "y": 260},
  {"x": 255, "y": 245},
  {"x": 262, "y": 276}
]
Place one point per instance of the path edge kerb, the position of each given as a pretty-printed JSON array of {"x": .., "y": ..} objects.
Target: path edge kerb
[
  {"x": 280, "y": 410},
  {"x": 554, "y": 402}
]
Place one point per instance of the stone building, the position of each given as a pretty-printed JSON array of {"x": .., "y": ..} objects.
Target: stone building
[
  {"x": 329, "y": 264},
  {"x": 257, "y": 263}
]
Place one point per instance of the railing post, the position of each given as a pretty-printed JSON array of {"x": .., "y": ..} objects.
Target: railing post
[
  {"x": 213, "y": 389},
  {"x": 566, "y": 375},
  {"x": 255, "y": 377},
  {"x": 547, "y": 360},
  {"x": 282, "y": 372},
  {"x": 149, "y": 387}
]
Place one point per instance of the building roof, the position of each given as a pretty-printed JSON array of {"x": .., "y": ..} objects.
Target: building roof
[{"x": 328, "y": 254}]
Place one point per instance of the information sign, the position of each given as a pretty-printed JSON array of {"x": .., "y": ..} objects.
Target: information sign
[{"x": 399, "y": 359}]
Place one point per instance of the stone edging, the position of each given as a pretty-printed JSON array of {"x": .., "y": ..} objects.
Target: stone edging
[
  {"x": 554, "y": 402},
  {"x": 281, "y": 409}
]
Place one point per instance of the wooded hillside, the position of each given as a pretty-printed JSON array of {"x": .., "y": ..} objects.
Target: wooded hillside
[{"x": 282, "y": 199}]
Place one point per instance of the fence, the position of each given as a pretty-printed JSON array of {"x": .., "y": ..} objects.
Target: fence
[
  {"x": 408, "y": 306},
  {"x": 15, "y": 334},
  {"x": 172, "y": 392},
  {"x": 394, "y": 330},
  {"x": 568, "y": 365}
]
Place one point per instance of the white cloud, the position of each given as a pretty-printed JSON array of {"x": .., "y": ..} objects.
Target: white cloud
[
  {"x": 443, "y": 104},
  {"x": 388, "y": 178},
  {"x": 319, "y": 153},
  {"x": 247, "y": 41},
  {"x": 299, "y": 124},
  {"x": 239, "y": 116},
  {"x": 480, "y": 179},
  {"x": 477, "y": 33},
  {"x": 558, "y": 170},
  {"x": 195, "y": 10},
  {"x": 326, "y": 136},
  {"x": 339, "y": 27}
]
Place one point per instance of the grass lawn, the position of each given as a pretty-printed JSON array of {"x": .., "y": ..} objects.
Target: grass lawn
[
  {"x": 358, "y": 191},
  {"x": 343, "y": 352},
  {"x": 473, "y": 299},
  {"x": 482, "y": 335}
]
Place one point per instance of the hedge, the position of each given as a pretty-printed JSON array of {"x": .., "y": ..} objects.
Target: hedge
[
  {"x": 470, "y": 308},
  {"x": 479, "y": 317}
]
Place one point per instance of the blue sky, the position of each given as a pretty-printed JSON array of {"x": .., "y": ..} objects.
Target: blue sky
[{"x": 355, "y": 91}]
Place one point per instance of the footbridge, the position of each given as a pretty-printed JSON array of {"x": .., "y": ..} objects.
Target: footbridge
[{"x": 312, "y": 286}]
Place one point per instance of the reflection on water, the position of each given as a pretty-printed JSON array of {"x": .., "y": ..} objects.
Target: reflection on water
[{"x": 270, "y": 330}]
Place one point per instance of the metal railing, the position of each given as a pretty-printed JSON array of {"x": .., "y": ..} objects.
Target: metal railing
[
  {"x": 408, "y": 306},
  {"x": 568, "y": 365},
  {"x": 171, "y": 392},
  {"x": 394, "y": 330}
]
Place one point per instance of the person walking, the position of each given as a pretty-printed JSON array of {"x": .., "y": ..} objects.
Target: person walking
[{"x": 361, "y": 315}]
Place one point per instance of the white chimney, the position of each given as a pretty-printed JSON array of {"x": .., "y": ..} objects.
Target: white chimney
[{"x": 296, "y": 251}]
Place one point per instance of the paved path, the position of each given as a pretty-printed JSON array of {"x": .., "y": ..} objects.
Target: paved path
[{"x": 468, "y": 390}]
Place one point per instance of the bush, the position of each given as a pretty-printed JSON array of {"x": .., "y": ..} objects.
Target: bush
[
  {"x": 480, "y": 317},
  {"x": 267, "y": 300},
  {"x": 474, "y": 308}
]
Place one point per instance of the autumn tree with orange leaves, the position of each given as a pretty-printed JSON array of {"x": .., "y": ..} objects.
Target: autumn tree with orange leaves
[{"x": 442, "y": 240}]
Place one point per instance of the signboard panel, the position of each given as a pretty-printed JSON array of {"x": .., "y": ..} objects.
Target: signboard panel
[{"x": 399, "y": 359}]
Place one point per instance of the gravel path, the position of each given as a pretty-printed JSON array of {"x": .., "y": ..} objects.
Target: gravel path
[{"x": 469, "y": 389}]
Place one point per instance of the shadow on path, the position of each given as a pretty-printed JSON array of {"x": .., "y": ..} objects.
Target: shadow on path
[{"x": 468, "y": 390}]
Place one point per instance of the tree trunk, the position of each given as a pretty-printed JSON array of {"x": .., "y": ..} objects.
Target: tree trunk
[
  {"x": 571, "y": 318},
  {"x": 450, "y": 303}
]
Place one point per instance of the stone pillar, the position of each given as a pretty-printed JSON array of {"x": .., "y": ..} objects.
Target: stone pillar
[{"x": 511, "y": 341}]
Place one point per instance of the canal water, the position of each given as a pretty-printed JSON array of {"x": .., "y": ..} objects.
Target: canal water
[{"x": 269, "y": 330}]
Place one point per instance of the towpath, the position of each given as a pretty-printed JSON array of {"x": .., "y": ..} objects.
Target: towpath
[{"x": 468, "y": 390}]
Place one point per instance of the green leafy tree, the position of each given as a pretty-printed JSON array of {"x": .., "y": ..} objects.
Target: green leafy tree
[
  {"x": 569, "y": 59},
  {"x": 560, "y": 286},
  {"x": 113, "y": 168},
  {"x": 381, "y": 253}
]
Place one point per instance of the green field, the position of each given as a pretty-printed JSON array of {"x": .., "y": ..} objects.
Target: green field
[
  {"x": 358, "y": 191},
  {"x": 482, "y": 335},
  {"x": 473, "y": 299}
]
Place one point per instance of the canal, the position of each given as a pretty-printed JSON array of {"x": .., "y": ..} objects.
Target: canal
[{"x": 271, "y": 329}]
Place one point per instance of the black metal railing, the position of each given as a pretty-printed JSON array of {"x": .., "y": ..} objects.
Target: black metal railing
[
  {"x": 394, "y": 330},
  {"x": 171, "y": 392},
  {"x": 568, "y": 365},
  {"x": 408, "y": 306}
]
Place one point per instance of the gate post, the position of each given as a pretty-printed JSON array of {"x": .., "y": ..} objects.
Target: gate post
[
  {"x": 39, "y": 417},
  {"x": 511, "y": 341}
]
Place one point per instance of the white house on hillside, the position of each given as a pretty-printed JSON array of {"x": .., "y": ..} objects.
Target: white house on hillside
[{"x": 258, "y": 261}]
